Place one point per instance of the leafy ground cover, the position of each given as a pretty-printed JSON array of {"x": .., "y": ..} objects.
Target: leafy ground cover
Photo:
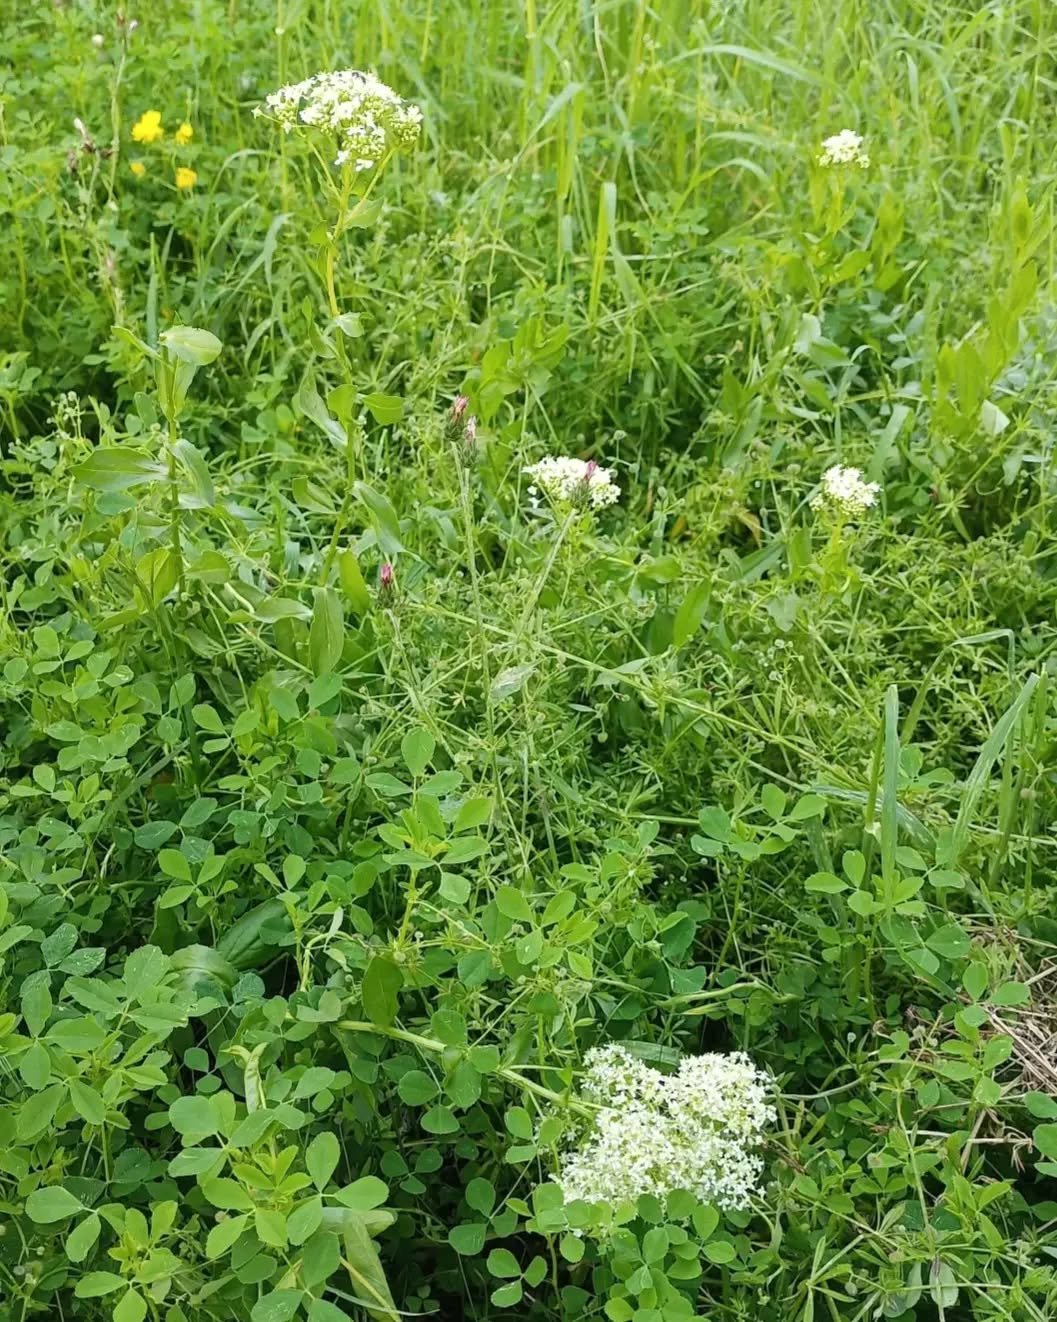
[{"x": 621, "y": 889}]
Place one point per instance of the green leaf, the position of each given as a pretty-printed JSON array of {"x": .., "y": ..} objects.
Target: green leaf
[
  {"x": 80, "y": 1240},
  {"x": 143, "y": 971},
  {"x": 385, "y": 408},
  {"x": 510, "y": 681},
  {"x": 35, "y": 1066},
  {"x": 825, "y": 883},
  {"x": 352, "y": 582},
  {"x": 281, "y": 608},
  {"x": 132, "y": 1307},
  {"x": 480, "y": 1195},
  {"x": 417, "y": 748},
  {"x": 224, "y": 1234},
  {"x": 502, "y": 1263},
  {"x": 87, "y": 1102},
  {"x": 193, "y": 1117},
  {"x": 507, "y": 1295},
  {"x": 979, "y": 776},
  {"x": 1045, "y": 1139},
  {"x": 691, "y": 614},
  {"x": 326, "y": 636},
  {"x": 52, "y": 1204},
  {"x": 270, "y": 1226},
  {"x": 190, "y": 344},
  {"x": 383, "y": 518},
  {"x": 416, "y": 1088},
  {"x": 157, "y": 573},
  {"x": 115, "y": 469},
  {"x": 321, "y": 1158},
  {"x": 278, "y": 1306},
  {"x": 381, "y": 982},
  {"x": 572, "y": 1248},
  {"x": 519, "y": 1123},
  {"x": 365, "y": 1270},
  {"x": 304, "y": 1221},
  {"x": 950, "y": 941},
  {"x": 468, "y": 1239},
  {"x": 322, "y": 1310},
  {"x": 1012, "y": 994},
  {"x": 440, "y": 1120},
  {"x": 173, "y": 864},
  {"x": 206, "y": 718},
  {"x": 227, "y": 1194},
  {"x": 96, "y": 1284},
  {"x": 511, "y": 903},
  {"x": 202, "y": 494},
  {"x": 364, "y": 1194},
  {"x": 308, "y": 402}
]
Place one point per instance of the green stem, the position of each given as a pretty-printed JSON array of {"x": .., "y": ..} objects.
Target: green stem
[
  {"x": 541, "y": 581},
  {"x": 174, "y": 508}
]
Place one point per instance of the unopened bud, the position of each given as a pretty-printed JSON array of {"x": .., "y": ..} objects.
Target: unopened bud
[
  {"x": 386, "y": 577},
  {"x": 459, "y": 420},
  {"x": 98, "y": 40}
]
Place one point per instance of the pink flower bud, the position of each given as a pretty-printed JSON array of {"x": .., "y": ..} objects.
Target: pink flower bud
[
  {"x": 459, "y": 407},
  {"x": 590, "y": 468},
  {"x": 386, "y": 577}
]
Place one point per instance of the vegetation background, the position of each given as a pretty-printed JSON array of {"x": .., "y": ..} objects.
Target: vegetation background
[{"x": 314, "y": 892}]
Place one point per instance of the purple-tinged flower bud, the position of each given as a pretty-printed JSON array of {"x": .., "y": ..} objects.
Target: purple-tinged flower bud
[
  {"x": 386, "y": 577},
  {"x": 458, "y": 422}
]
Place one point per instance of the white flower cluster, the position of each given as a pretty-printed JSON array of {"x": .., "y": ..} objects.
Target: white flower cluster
[
  {"x": 697, "y": 1130},
  {"x": 365, "y": 116},
  {"x": 844, "y": 148},
  {"x": 844, "y": 493},
  {"x": 573, "y": 482}
]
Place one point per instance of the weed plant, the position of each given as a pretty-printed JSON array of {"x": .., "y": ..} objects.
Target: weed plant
[{"x": 397, "y": 836}]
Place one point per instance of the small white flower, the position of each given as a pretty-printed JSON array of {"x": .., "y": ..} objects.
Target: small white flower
[
  {"x": 844, "y": 148},
  {"x": 568, "y": 481},
  {"x": 98, "y": 40},
  {"x": 843, "y": 492},
  {"x": 365, "y": 117},
  {"x": 697, "y": 1130}
]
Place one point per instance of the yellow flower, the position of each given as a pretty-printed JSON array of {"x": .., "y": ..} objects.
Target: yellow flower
[
  {"x": 185, "y": 178},
  {"x": 183, "y": 134},
  {"x": 148, "y": 127},
  {"x": 138, "y": 169}
]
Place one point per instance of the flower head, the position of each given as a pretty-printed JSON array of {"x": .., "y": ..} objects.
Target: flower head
[
  {"x": 572, "y": 482},
  {"x": 185, "y": 177},
  {"x": 148, "y": 127},
  {"x": 461, "y": 425},
  {"x": 138, "y": 169},
  {"x": 98, "y": 40},
  {"x": 386, "y": 577},
  {"x": 183, "y": 134},
  {"x": 364, "y": 116},
  {"x": 697, "y": 1130},
  {"x": 844, "y": 148},
  {"x": 844, "y": 493}
]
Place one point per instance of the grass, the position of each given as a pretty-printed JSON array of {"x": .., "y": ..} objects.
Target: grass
[{"x": 315, "y": 889}]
